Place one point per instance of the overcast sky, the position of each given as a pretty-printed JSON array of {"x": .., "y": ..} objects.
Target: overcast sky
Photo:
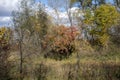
[{"x": 6, "y": 7}]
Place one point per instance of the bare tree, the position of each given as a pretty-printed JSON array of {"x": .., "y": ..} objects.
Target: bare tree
[{"x": 21, "y": 21}]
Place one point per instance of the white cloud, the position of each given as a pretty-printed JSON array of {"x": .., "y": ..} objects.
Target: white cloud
[
  {"x": 63, "y": 16},
  {"x": 7, "y": 6},
  {"x": 5, "y": 21}
]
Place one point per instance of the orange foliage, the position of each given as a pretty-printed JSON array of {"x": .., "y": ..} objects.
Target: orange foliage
[{"x": 61, "y": 40}]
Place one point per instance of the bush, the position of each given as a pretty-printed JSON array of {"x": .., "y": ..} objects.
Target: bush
[
  {"x": 61, "y": 42},
  {"x": 4, "y": 54}
]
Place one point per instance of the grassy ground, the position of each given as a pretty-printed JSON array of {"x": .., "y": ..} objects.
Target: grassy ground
[{"x": 79, "y": 66}]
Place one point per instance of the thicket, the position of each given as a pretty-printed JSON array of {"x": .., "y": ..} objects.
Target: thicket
[
  {"x": 61, "y": 42},
  {"x": 46, "y": 51},
  {"x": 5, "y": 64}
]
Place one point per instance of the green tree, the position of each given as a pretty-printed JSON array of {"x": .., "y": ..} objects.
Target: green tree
[
  {"x": 41, "y": 24},
  {"x": 43, "y": 20}
]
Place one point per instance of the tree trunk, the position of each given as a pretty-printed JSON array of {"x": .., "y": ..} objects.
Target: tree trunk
[
  {"x": 21, "y": 55},
  {"x": 21, "y": 61}
]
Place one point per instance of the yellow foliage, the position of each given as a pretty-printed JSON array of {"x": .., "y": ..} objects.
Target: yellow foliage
[
  {"x": 104, "y": 39},
  {"x": 100, "y": 20},
  {"x": 4, "y": 36},
  {"x": 106, "y": 15}
]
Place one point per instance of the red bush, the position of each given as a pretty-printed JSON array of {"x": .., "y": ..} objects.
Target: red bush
[{"x": 61, "y": 40}]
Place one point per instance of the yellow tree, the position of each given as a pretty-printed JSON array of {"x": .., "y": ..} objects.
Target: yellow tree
[
  {"x": 100, "y": 20},
  {"x": 4, "y": 37}
]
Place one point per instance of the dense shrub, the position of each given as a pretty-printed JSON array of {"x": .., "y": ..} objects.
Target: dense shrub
[
  {"x": 92, "y": 71},
  {"x": 4, "y": 54},
  {"x": 41, "y": 72},
  {"x": 61, "y": 41}
]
